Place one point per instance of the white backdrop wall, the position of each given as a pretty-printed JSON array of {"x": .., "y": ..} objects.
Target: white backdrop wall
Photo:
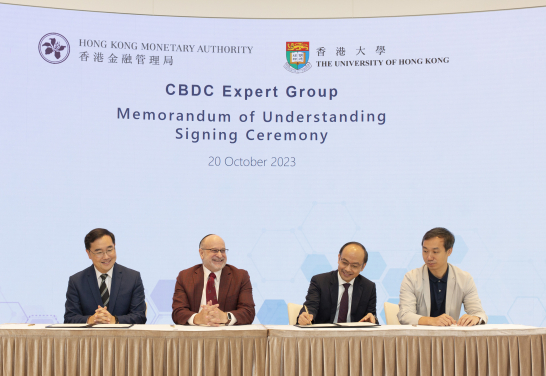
[{"x": 453, "y": 109}]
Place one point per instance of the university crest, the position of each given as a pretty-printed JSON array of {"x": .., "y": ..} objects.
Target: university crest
[{"x": 297, "y": 57}]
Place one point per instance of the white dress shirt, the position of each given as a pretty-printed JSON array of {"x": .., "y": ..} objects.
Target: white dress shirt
[
  {"x": 206, "y": 273},
  {"x": 340, "y": 294},
  {"x": 108, "y": 279}
]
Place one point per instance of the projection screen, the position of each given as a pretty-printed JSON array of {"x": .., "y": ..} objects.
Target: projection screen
[{"x": 288, "y": 138}]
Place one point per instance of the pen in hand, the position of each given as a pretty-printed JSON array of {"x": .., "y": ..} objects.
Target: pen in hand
[{"x": 305, "y": 318}]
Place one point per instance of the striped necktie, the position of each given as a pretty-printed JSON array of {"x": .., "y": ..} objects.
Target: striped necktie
[{"x": 104, "y": 291}]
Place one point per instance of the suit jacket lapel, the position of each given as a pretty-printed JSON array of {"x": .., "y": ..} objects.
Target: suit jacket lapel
[
  {"x": 198, "y": 277},
  {"x": 334, "y": 291},
  {"x": 357, "y": 294},
  {"x": 450, "y": 290},
  {"x": 117, "y": 276},
  {"x": 94, "y": 285},
  {"x": 426, "y": 287},
  {"x": 225, "y": 282}
]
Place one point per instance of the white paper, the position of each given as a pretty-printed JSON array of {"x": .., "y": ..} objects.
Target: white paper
[
  {"x": 317, "y": 326},
  {"x": 357, "y": 324}
]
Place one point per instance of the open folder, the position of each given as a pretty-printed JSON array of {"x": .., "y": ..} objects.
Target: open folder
[
  {"x": 87, "y": 326},
  {"x": 342, "y": 325}
]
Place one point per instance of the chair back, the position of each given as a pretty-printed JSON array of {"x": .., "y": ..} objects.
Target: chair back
[
  {"x": 293, "y": 312},
  {"x": 391, "y": 313}
]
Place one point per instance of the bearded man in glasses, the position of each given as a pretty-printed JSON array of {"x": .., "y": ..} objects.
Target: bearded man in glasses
[
  {"x": 213, "y": 293},
  {"x": 342, "y": 295},
  {"x": 106, "y": 292}
]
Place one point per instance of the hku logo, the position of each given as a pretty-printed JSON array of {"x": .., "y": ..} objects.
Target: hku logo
[
  {"x": 54, "y": 48},
  {"x": 297, "y": 57}
]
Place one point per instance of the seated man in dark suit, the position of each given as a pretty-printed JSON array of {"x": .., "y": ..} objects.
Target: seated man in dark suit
[
  {"x": 213, "y": 293},
  {"x": 105, "y": 292},
  {"x": 342, "y": 295}
]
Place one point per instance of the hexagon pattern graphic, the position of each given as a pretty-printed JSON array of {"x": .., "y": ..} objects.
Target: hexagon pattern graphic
[
  {"x": 287, "y": 258},
  {"x": 164, "y": 319},
  {"x": 315, "y": 264},
  {"x": 507, "y": 286},
  {"x": 277, "y": 255},
  {"x": 328, "y": 226},
  {"x": 460, "y": 249},
  {"x": 393, "y": 280},
  {"x": 42, "y": 319},
  {"x": 375, "y": 267},
  {"x": 416, "y": 261},
  {"x": 382, "y": 297},
  {"x": 162, "y": 294},
  {"x": 497, "y": 320},
  {"x": 12, "y": 312},
  {"x": 273, "y": 312},
  {"x": 151, "y": 312},
  {"x": 162, "y": 297},
  {"x": 528, "y": 311}
]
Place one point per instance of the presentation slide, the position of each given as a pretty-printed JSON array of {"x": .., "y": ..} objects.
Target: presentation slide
[{"x": 288, "y": 138}]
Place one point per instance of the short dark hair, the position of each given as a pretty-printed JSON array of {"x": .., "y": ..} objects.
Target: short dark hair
[
  {"x": 356, "y": 243},
  {"x": 206, "y": 236},
  {"x": 97, "y": 234},
  {"x": 442, "y": 233}
]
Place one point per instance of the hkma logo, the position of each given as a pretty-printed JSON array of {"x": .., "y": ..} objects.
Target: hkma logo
[
  {"x": 297, "y": 57},
  {"x": 54, "y": 48}
]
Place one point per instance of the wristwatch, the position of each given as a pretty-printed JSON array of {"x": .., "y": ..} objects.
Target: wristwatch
[
  {"x": 229, "y": 318},
  {"x": 117, "y": 321}
]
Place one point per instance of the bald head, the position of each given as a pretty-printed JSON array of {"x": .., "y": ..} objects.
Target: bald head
[
  {"x": 355, "y": 246},
  {"x": 210, "y": 239},
  {"x": 205, "y": 237}
]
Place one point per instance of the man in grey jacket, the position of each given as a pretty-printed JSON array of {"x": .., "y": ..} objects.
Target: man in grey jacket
[{"x": 433, "y": 293}]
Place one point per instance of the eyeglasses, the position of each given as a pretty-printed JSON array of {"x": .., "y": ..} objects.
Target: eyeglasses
[
  {"x": 101, "y": 253},
  {"x": 345, "y": 263},
  {"x": 216, "y": 251}
]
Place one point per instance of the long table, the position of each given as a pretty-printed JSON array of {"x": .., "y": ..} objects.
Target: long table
[
  {"x": 407, "y": 350},
  {"x": 140, "y": 350},
  {"x": 272, "y": 351}
]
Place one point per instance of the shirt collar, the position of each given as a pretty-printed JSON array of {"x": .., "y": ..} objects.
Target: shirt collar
[
  {"x": 435, "y": 279},
  {"x": 341, "y": 281},
  {"x": 109, "y": 273},
  {"x": 207, "y": 273}
]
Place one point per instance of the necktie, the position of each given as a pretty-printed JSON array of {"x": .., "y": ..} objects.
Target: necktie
[
  {"x": 104, "y": 291},
  {"x": 211, "y": 289},
  {"x": 344, "y": 304}
]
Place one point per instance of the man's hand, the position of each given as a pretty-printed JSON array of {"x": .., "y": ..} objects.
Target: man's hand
[
  {"x": 202, "y": 318},
  {"x": 467, "y": 320},
  {"x": 442, "y": 320},
  {"x": 101, "y": 316},
  {"x": 305, "y": 319},
  {"x": 368, "y": 318},
  {"x": 216, "y": 317},
  {"x": 210, "y": 315}
]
